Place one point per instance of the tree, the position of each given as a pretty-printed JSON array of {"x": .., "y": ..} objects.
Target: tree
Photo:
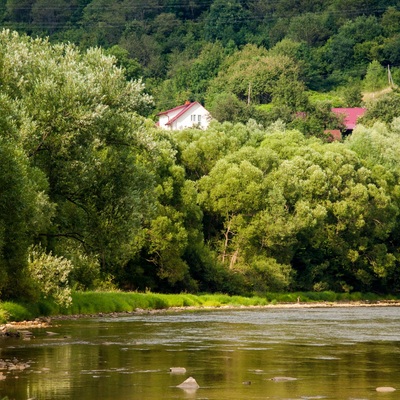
[
  {"x": 51, "y": 16},
  {"x": 262, "y": 8},
  {"x": 132, "y": 68},
  {"x": 354, "y": 8},
  {"x": 227, "y": 107},
  {"x": 225, "y": 21},
  {"x": 190, "y": 77},
  {"x": 167, "y": 234},
  {"x": 146, "y": 50},
  {"x": 389, "y": 51},
  {"x": 297, "y": 212},
  {"x": 205, "y": 68},
  {"x": 290, "y": 94},
  {"x": 103, "y": 22},
  {"x": 286, "y": 8},
  {"x": 390, "y": 21},
  {"x": 78, "y": 124},
  {"x": 327, "y": 201},
  {"x": 186, "y": 9},
  {"x": 352, "y": 94},
  {"x": 3, "y": 10},
  {"x": 25, "y": 212},
  {"x": 137, "y": 10},
  {"x": 309, "y": 28},
  {"x": 173, "y": 256},
  {"x": 232, "y": 190},
  {"x": 199, "y": 152},
  {"x": 378, "y": 146},
  {"x": 166, "y": 30},
  {"x": 19, "y": 11},
  {"x": 252, "y": 72},
  {"x": 340, "y": 52},
  {"x": 385, "y": 109},
  {"x": 375, "y": 77}
]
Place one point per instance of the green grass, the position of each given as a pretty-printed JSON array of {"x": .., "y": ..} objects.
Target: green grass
[
  {"x": 335, "y": 99},
  {"x": 87, "y": 303},
  {"x": 265, "y": 107},
  {"x": 327, "y": 296}
]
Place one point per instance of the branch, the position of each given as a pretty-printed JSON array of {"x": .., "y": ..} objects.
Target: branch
[
  {"x": 44, "y": 137},
  {"x": 74, "y": 235}
]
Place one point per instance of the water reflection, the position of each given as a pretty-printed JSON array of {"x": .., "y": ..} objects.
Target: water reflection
[{"x": 336, "y": 353}]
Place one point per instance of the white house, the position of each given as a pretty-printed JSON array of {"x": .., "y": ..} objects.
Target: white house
[{"x": 186, "y": 116}]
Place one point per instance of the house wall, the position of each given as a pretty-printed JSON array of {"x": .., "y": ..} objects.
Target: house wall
[
  {"x": 163, "y": 119},
  {"x": 196, "y": 115}
]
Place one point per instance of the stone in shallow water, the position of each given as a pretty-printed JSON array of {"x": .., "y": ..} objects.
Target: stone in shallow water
[
  {"x": 385, "y": 389},
  {"x": 283, "y": 379},
  {"x": 190, "y": 383},
  {"x": 177, "y": 370}
]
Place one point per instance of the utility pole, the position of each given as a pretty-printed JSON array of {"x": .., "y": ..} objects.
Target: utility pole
[
  {"x": 249, "y": 94},
  {"x": 390, "y": 79}
]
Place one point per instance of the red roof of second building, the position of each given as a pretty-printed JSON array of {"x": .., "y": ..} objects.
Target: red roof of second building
[
  {"x": 334, "y": 134},
  {"x": 351, "y": 115}
]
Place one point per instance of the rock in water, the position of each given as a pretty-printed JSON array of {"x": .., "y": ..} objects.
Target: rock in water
[
  {"x": 190, "y": 383},
  {"x": 385, "y": 389},
  {"x": 283, "y": 379},
  {"x": 177, "y": 370}
]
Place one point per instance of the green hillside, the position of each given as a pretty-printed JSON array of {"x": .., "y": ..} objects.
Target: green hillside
[{"x": 193, "y": 50}]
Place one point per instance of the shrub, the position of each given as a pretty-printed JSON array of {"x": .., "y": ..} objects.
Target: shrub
[
  {"x": 50, "y": 274},
  {"x": 14, "y": 312},
  {"x": 3, "y": 316}
]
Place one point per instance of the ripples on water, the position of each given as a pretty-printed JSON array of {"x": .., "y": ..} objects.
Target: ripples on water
[{"x": 333, "y": 353}]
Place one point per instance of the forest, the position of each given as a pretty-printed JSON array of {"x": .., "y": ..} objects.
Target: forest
[{"x": 94, "y": 196}]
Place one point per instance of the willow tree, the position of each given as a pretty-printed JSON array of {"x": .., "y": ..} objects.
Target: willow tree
[
  {"x": 77, "y": 121},
  {"x": 301, "y": 213},
  {"x": 25, "y": 210}
]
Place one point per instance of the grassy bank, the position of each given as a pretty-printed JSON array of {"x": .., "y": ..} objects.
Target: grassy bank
[{"x": 110, "y": 302}]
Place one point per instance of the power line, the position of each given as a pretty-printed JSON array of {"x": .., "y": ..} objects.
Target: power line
[{"x": 143, "y": 7}]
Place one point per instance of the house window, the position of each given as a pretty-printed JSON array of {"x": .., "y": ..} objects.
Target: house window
[
  {"x": 193, "y": 118},
  {"x": 199, "y": 118}
]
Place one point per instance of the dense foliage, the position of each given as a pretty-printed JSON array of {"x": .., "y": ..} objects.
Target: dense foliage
[
  {"x": 220, "y": 51},
  {"x": 261, "y": 201}
]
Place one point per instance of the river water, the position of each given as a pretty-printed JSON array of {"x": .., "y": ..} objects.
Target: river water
[{"x": 329, "y": 353}]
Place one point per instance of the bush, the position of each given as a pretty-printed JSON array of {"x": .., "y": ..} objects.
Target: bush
[
  {"x": 3, "y": 316},
  {"x": 14, "y": 312},
  {"x": 50, "y": 275}
]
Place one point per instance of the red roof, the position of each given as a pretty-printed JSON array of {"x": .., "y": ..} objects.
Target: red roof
[
  {"x": 334, "y": 134},
  {"x": 350, "y": 115},
  {"x": 182, "y": 109}
]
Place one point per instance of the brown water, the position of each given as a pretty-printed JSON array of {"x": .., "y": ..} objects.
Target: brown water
[{"x": 333, "y": 353}]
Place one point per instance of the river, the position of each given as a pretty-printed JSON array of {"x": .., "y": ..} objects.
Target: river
[{"x": 328, "y": 353}]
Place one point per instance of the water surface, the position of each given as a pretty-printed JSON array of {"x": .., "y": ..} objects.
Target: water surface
[{"x": 332, "y": 353}]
